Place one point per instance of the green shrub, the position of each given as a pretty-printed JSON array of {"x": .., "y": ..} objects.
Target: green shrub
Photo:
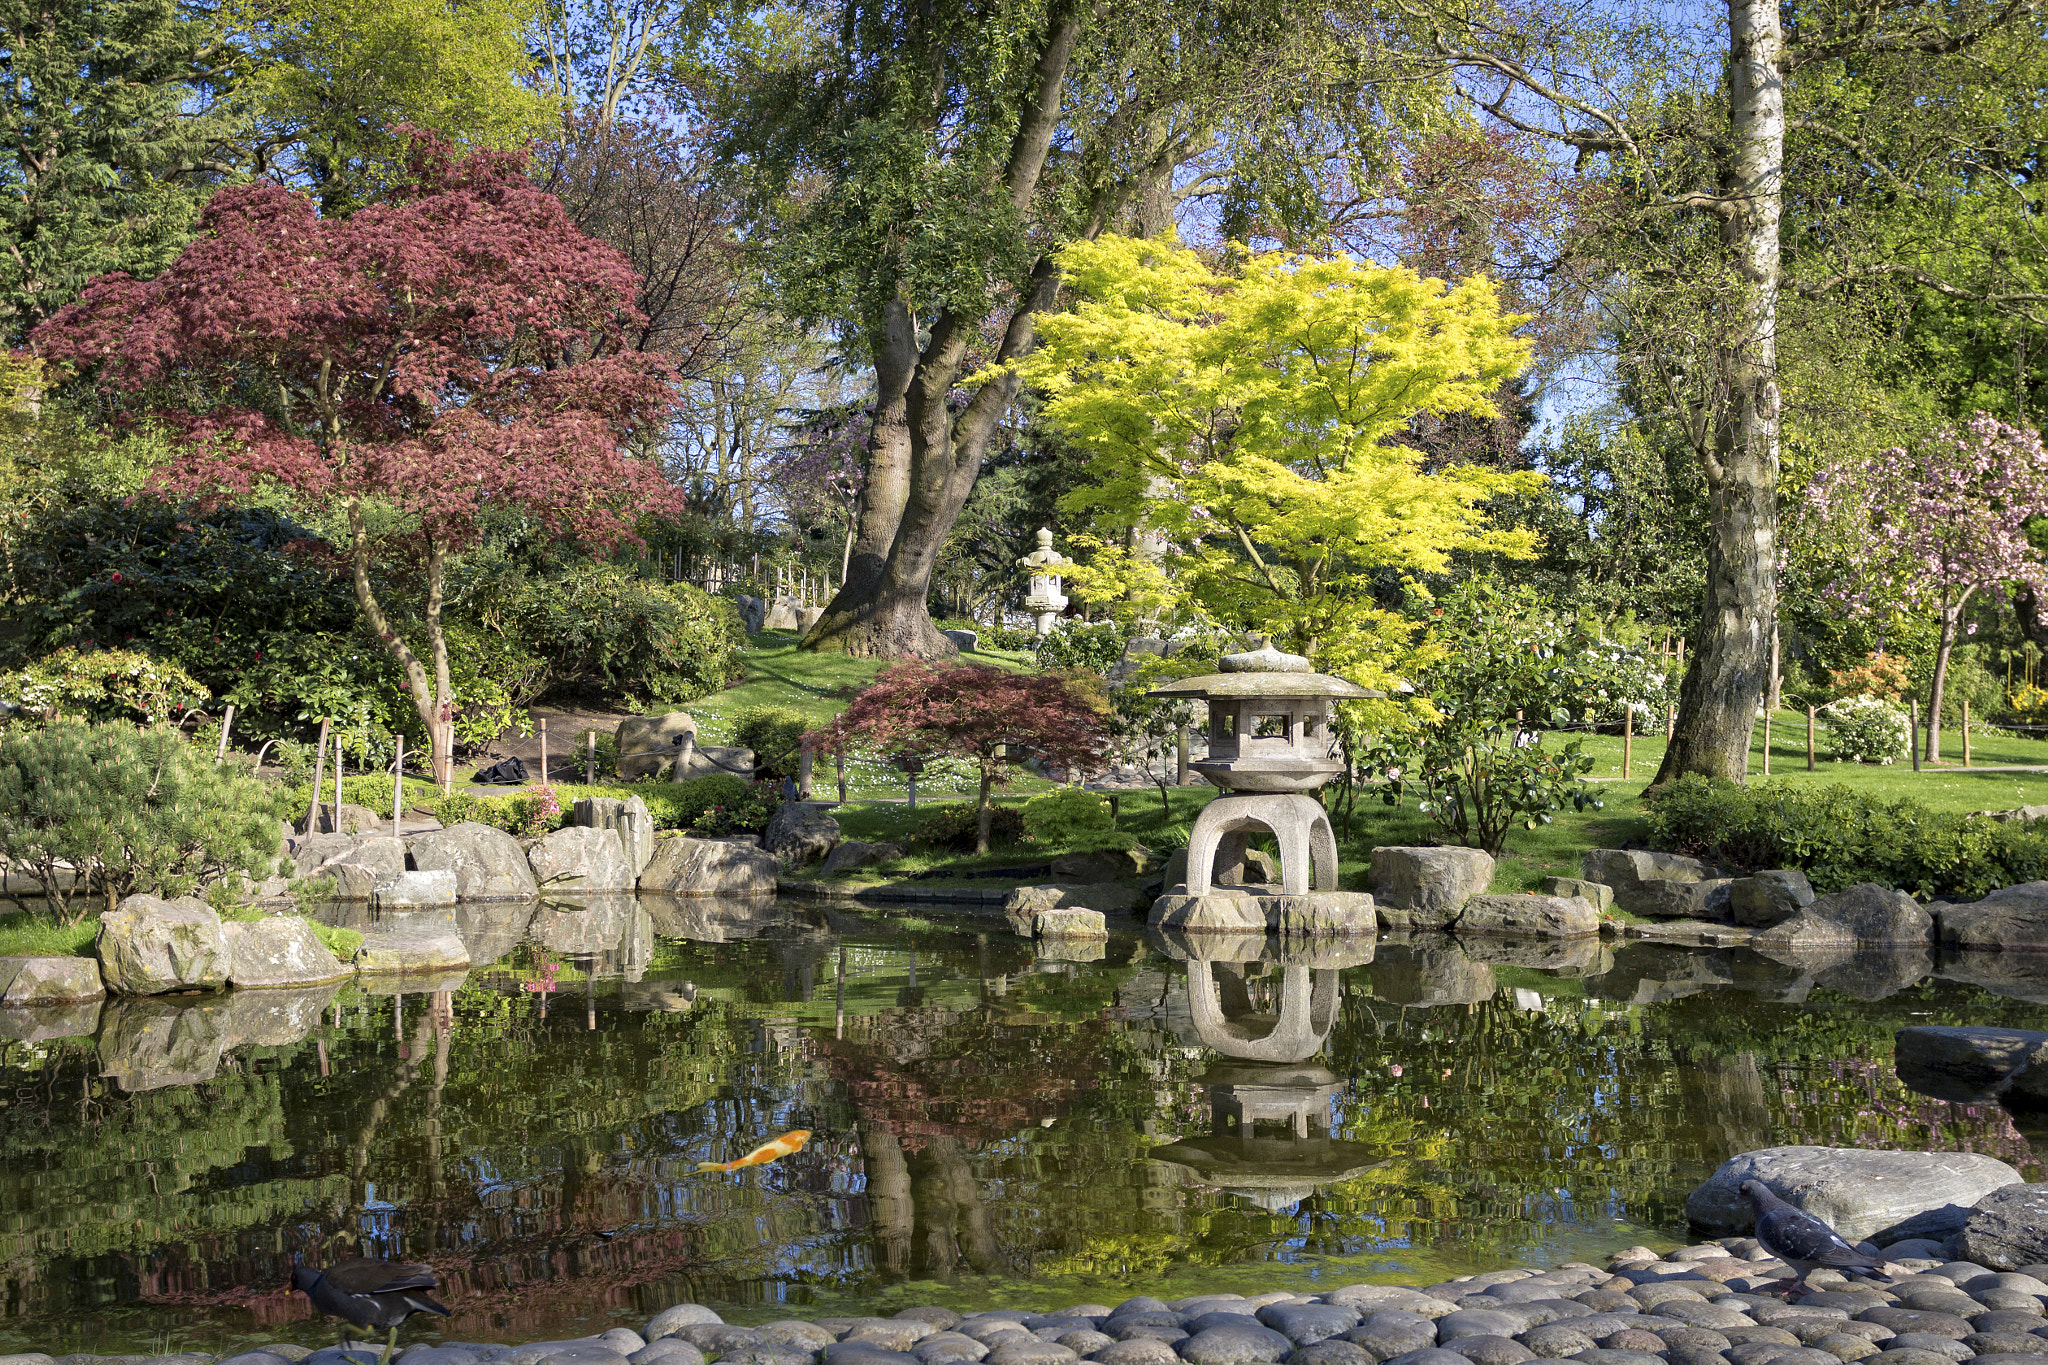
[
  {"x": 1074, "y": 820},
  {"x": 1865, "y": 730},
  {"x": 524, "y": 813},
  {"x": 747, "y": 813},
  {"x": 130, "y": 812},
  {"x": 103, "y": 684},
  {"x": 1841, "y": 837},
  {"x": 1077, "y": 644},
  {"x": 952, "y": 826},
  {"x": 773, "y": 734}
]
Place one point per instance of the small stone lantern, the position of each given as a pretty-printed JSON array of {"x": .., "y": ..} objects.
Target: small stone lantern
[
  {"x": 1269, "y": 746},
  {"x": 1045, "y": 601}
]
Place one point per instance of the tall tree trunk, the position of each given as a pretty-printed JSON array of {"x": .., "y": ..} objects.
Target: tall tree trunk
[
  {"x": 431, "y": 695},
  {"x": 1731, "y": 667},
  {"x": 1944, "y": 651},
  {"x": 880, "y": 611}
]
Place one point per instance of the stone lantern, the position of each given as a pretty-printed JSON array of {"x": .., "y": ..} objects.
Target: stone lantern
[
  {"x": 1269, "y": 747},
  {"x": 1045, "y": 601}
]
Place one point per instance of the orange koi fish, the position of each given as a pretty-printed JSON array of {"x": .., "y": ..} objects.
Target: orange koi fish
[{"x": 789, "y": 1144}]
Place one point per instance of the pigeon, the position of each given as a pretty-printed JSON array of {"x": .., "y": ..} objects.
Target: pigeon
[
  {"x": 1803, "y": 1241},
  {"x": 370, "y": 1294}
]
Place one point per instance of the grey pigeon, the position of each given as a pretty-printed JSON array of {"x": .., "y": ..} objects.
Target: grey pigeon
[{"x": 1801, "y": 1240}]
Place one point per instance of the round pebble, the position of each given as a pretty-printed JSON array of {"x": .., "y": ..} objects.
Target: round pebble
[
  {"x": 1157, "y": 1331},
  {"x": 1482, "y": 1350},
  {"x": 1085, "y": 1341},
  {"x": 1137, "y": 1351},
  {"x": 948, "y": 1348},
  {"x": 1772, "y": 1336},
  {"x": 1024, "y": 1349},
  {"x": 1241, "y": 1343},
  {"x": 1632, "y": 1339},
  {"x": 1842, "y": 1346},
  {"x": 1952, "y": 1347},
  {"x": 1474, "y": 1322},
  {"x": 1392, "y": 1333},
  {"x": 1558, "y": 1339},
  {"x": 1331, "y": 1352},
  {"x": 2002, "y": 1343}
]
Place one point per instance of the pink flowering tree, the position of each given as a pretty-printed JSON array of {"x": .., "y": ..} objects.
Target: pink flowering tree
[
  {"x": 459, "y": 347},
  {"x": 992, "y": 718},
  {"x": 1937, "y": 523}
]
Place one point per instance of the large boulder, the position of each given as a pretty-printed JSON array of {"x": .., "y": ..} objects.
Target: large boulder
[
  {"x": 279, "y": 950},
  {"x": 1429, "y": 973},
  {"x": 1322, "y": 913},
  {"x": 156, "y": 1044},
  {"x": 2013, "y": 918},
  {"x": 353, "y": 819},
  {"x": 309, "y": 851},
  {"x": 801, "y": 832},
  {"x": 1876, "y": 914},
  {"x": 1859, "y": 1191},
  {"x": 1647, "y": 882},
  {"x": 855, "y": 853},
  {"x": 148, "y": 946},
  {"x": 357, "y": 868},
  {"x": 411, "y": 953},
  {"x": 1111, "y": 898},
  {"x": 709, "y": 867},
  {"x": 1769, "y": 897},
  {"x": 629, "y": 817},
  {"x": 648, "y": 743},
  {"x": 1804, "y": 935},
  {"x": 582, "y": 861},
  {"x": 1260, "y": 868},
  {"x": 2007, "y": 1229},
  {"x": 1541, "y": 916},
  {"x": 1973, "y": 1064},
  {"x": 966, "y": 641},
  {"x": 1425, "y": 888},
  {"x": 413, "y": 890},
  {"x": 1219, "y": 912},
  {"x": 33, "y": 982},
  {"x": 1073, "y": 922},
  {"x": 1105, "y": 865},
  {"x": 487, "y": 862},
  {"x": 1599, "y": 894}
]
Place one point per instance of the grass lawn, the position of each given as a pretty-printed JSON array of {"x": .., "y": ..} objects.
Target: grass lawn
[{"x": 26, "y": 935}]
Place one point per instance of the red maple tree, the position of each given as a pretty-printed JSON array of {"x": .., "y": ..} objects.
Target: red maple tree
[
  {"x": 455, "y": 348},
  {"x": 994, "y": 718}
]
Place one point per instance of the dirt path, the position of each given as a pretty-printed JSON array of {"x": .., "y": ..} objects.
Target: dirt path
[{"x": 566, "y": 729}]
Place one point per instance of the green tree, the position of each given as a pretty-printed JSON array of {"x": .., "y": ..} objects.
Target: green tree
[
  {"x": 115, "y": 132},
  {"x": 1244, "y": 420}
]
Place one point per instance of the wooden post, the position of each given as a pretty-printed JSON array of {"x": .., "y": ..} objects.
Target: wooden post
[
  {"x": 840, "y": 759},
  {"x": 543, "y": 750},
  {"x": 685, "y": 751},
  {"x": 1809, "y": 738},
  {"x": 227, "y": 720},
  {"x": 1670, "y": 722},
  {"x": 913, "y": 792},
  {"x": 319, "y": 778},
  {"x": 1777, "y": 679},
  {"x": 590, "y": 758},
  {"x": 397, "y": 786},
  {"x": 1966, "y": 732},
  {"x": 1767, "y": 743},
  {"x": 1180, "y": 776},
  {"x": 804, "y": 762},
  {"x": 338, "y": 766},
  {"x": 1913, "y": 710},
  {"x": 1628, "y": 739}
]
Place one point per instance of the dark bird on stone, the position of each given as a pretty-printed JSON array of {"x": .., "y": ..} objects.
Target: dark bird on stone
[
  {"x": 370, "y": 1294},
  {"x": 1803, "y": 1241}
]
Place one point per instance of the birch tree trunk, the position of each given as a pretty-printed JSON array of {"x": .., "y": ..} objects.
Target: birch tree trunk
[{"x": 1731, "y": 667}]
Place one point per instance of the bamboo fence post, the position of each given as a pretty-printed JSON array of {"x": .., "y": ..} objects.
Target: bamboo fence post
[
  {"x": 397, "y": 786},
  {"x": 1777, "y": 679},
  {"x": 804, "y": 763},
  {"x": 839, "y": 759},
  {"x": 1767, "y": 742},
  {"x": 319, "y": 778},
  {"x": 227, "y": 720},
  {"x": 1670, "y": 722},
  {"x": 1966, "y": 732},
  {"x": 338, "y": 766},
  {"x": 590, "y": 757},
  {"x": 1913, "y": 710},
  {"x": 543, "y": 750},
  {"x": 1809, "y": 738},
  {"x": 1628, "y": 738}
]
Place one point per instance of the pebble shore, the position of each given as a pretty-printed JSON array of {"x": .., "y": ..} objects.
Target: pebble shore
[{"x": 1717, "y": 1303}]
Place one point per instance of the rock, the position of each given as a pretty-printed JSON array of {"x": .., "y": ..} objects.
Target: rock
[
  {"x": 1072, "y": 922},
  {"x": 678, "y": 1315},
  {"x": 1245, "y": 1343},
  {"x": 1137, "y": 1351},
  {"x": 154, "y": 1044},
  {"x": 1230, "y": 912},
  {"x": 1857, "y": 1191},
  {"x": 2014, "y": 917},
  {"x": 148, "y": 946},
  {"x": 709, "y": 867},
  {"x": 1974, "y": 1064},
  {"x": 1321, "y": 914},
  {"x": 753, "y": 612},
  {"x": 1111, "y": 898},
  {"x": 629, "y": 817},
  {"x": 857, "y": 853},
  {"x": 412, "y": 890},
  {"x": 1106, "y": 865},
  {"x": 308, "y": 851},
  {"x": 44, "y": 1023},
  {"x": 1425, "y": 888},
  {"x": 37, "y": 982},
  {"x": 1600, "y": 894},
  {"x": 1645, "y": 883},
  {"x": 2007, "y": 1229},
  {"x": 354, "y": 819},
  {"x": 1876, "y": 914},
  {"x": 1427, "y": 974},
  {"x": 807, "y": 1336},
  {"x": 278, "y": 950},
  {"x": 966, "y": 641},
  {"x": 581, "y": 861},
  {"x": 647, "y": 744},
  {"x": 1805, "y": 934},
  {"x": 487, "y": 862},
  {"x": 1768, "y": 897},
  {"x": 411, "y": 953},
  {"x": 801, "y": 832},
  {"x": 1260, "y": 868},
  {"x": 1543, "y": 916},
  {"x": 1304, "y": 1323}
]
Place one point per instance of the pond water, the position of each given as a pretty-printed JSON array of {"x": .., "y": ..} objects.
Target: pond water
[{"x": 992, "y": 1121}]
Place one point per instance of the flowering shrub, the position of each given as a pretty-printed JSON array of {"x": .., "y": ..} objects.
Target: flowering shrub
[
  {"x": 1865, "y": 730},
  {"x": 105, "y": 684},
  {"x": 1881, "y": 675}
]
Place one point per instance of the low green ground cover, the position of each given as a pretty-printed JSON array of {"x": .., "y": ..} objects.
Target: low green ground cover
[{"x": 28, "y": 935}]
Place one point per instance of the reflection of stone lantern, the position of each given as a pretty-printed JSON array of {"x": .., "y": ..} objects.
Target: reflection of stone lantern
[
  {"x": 1045, "y": 600},
  {"x": 1269, "y": 746},
  {"x": 1272, "y": 1171}
]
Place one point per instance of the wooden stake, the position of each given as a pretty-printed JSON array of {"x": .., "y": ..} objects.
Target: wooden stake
[
  {"x": 1670, "y": 722},
  {"x": 543, "y": 750},
  {"x": 590, "y": 760},
  {"x": 1180, "y": 758},
  {"x": 1913, "y": 709},
  {"x": 1809, "y": 738},
  {"x": 840, "y": 759},
  {"x": 226, "y": 721},
  {"x": 338, "y": 766},
  {"x": 1777, "y": 680},
  {"x": 319, "y": 778},
  {"x": 1767, "y": 743},
  {"x": 397, "y": 786},
  {"x": 1966, "y": 732},
  {"x": 804, "y": 762},
  {"x": 1628, "y": 739}
]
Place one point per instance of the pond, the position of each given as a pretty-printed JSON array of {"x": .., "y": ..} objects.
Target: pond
[{"x": 993, "y": 1120}]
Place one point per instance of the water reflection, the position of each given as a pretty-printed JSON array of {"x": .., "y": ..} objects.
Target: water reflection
[{"x": 1157, "y": 1111}]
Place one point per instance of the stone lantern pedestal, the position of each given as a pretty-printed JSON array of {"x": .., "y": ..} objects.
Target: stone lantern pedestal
[
  {"x": 1269, "y": 742},
  {"x": 1045, "y": 601}
]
